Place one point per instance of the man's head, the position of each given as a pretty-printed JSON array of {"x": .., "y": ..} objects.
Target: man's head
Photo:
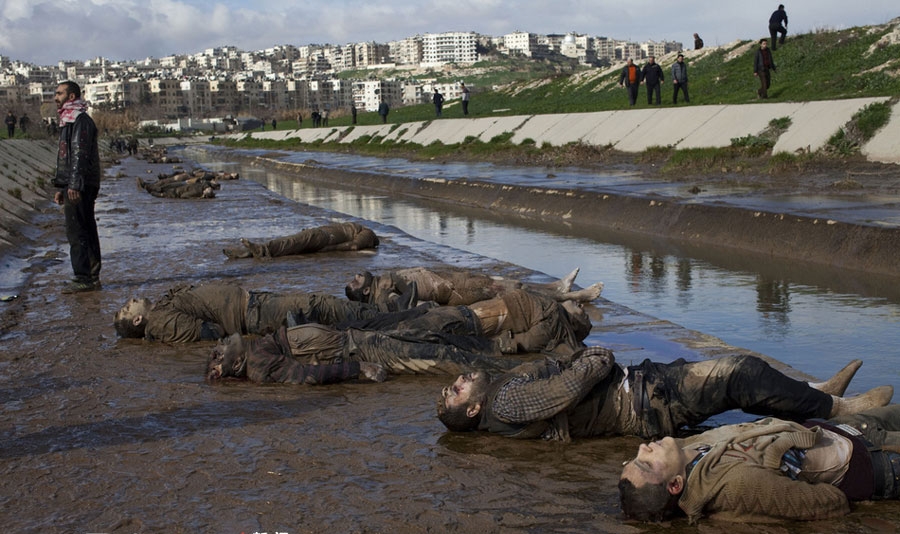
[
  {"x": 781, "y": 6},
  {"x": 630, "y": 62},
  {"x": 651, "y": 59},
  {"x": 66, "y": 92},
  {"x": 227, "y": 359},
  {"x": 459, "y": 405},
  {"x": 763, "y": 43},
  {"x": 360, "y": 288},
  {"x": 653, "y": 481},
  {"x": 131, "y": 319},
  {"x": 696, "y": 36},
  {"x": 680, "y": 58}
]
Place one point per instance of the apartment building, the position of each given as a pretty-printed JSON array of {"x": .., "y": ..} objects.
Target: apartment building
[
  {"x": 452, "y": 47},
  {"x": 118, "y": 94},
  {"x": 406, "y": 51}
]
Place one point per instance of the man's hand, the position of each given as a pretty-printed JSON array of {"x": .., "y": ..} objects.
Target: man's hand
[
  {"x": 58, "y": 198},
  {"x": 373, "y": 371},
  {"x": 74, "y": 195}
]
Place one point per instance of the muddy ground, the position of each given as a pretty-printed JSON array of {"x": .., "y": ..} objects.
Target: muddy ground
[{"x": 100, "y": 434}]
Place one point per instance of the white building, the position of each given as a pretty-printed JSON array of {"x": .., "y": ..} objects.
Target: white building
[{"x": 452, "y": 47}]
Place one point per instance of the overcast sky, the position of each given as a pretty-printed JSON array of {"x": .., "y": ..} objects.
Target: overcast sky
[{"x": 46, "y": 31}]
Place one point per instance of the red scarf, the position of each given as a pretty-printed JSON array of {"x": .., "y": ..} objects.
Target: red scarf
[{"x": 70, "y": 111}]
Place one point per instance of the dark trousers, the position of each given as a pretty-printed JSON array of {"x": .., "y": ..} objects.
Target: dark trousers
[
  {"x": 688, "y": 393},
  {"x": 632, "y": 93},
  {"x": 81, "y": 231},
  {"x": 765, "y": 79},
  {"x": 774, "y": 30},
  {"x": 651, "y": 90},
  {"x": 465, "y": 106},
  {"x": 684, "y": 89}
]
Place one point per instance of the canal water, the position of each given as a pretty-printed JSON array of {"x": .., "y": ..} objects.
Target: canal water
[{"x": 812, "y": 318}]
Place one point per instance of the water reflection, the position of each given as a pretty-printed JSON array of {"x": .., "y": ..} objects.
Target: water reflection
[{"x": 812, "y": 318}]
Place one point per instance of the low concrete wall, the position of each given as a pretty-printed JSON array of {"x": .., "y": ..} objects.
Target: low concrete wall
[
  {"x": 26, "y": 168},
  {"x": 812, "y": 123}
]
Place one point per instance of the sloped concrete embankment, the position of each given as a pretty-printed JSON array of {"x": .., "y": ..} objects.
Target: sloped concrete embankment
[
  {"x": 634, "y": 130},
  {"x": 790, "y": 237},
  {"x": 26, "y": 168}
]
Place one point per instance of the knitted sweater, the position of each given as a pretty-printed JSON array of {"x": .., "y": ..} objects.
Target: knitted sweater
[{"x": 739, "y": 478}]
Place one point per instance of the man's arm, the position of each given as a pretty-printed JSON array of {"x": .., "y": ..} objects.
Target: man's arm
[
  {"x": 180, "y": 327},
  {"x": 763, "y": 492},
  {"x": 530, "y": 398}
]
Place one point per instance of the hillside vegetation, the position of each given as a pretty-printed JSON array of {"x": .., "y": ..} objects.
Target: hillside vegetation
[{"x": 851, "y": 63}]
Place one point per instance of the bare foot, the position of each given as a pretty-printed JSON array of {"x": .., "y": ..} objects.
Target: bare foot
[{"x": 587, "y": 294}]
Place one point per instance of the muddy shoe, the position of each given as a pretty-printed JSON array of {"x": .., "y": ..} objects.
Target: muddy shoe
[
  {"x": 236, "y": 253},
  {"x": 837, "y": 384},
  {"x": 80, "y": 287},
  {"x": 874, "y": 398}
]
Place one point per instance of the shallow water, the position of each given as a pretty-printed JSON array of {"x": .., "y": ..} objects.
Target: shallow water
[{"x": 814, "y": 319}]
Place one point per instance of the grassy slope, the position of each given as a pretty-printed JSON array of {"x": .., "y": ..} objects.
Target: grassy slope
[{"x": 816, "y": 66}]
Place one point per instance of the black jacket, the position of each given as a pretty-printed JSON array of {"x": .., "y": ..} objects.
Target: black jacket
[
  {"x": 78, "y": 160},
  {"x": 652, "y": 74},
  {"x": 759, "y": 64}
]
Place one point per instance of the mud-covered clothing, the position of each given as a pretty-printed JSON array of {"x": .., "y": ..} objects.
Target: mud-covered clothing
[
  {"x": 78, "y": 169},
  {"x": 786, "y": 470},
  {"x": 399, "y": 352},
  {"x": 269, "y": 359},
  {"x": 652, "y": 400},
  {"x": 534, "y": 399},
  {"x": 212, "y": 311},
  {"x": 536, "y": 323},
  {"x": 180, "y": 189},
  {"x": 447, "y": 288},
  {"x": 330, "y": 237},
  {"x": 519, "y": 321}
]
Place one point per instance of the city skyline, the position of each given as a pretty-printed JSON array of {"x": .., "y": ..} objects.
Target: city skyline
[{"x": 45, "y": 32}]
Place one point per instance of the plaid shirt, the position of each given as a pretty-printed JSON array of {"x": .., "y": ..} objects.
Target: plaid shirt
[{"x": 543, "y": 389}]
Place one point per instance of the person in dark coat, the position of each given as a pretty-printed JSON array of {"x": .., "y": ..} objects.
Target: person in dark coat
[
  {"x": 679, "y": 79},
  {"x": 653, "y": 77},
  {"x": 778, "y": 25},
  {"x": 762, "y": 65},
  {"x": 438, "y": 100},
  {"x": 77, "y": 181}
]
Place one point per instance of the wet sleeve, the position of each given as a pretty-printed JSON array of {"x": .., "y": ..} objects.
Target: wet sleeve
[
  {"x": 172, "y": 326},
  {"x": 299, "y": 373},
  {"x": 527, "y": 399},
  {"x": 763, "y": 492}
]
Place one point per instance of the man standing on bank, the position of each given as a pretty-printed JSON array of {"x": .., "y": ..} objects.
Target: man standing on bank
[
  {"x": 679, "y": 79},
  {"x": 464, "y": 98},
  {"x": 761, "y": 67},
  {"x": 630, "y": 79},
  {"x": 652, "y": 74},
  {"x": 78, "y": 180}
]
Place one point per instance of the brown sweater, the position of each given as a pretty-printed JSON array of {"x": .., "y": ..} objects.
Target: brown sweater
[{"x": 739, "y": 478}]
